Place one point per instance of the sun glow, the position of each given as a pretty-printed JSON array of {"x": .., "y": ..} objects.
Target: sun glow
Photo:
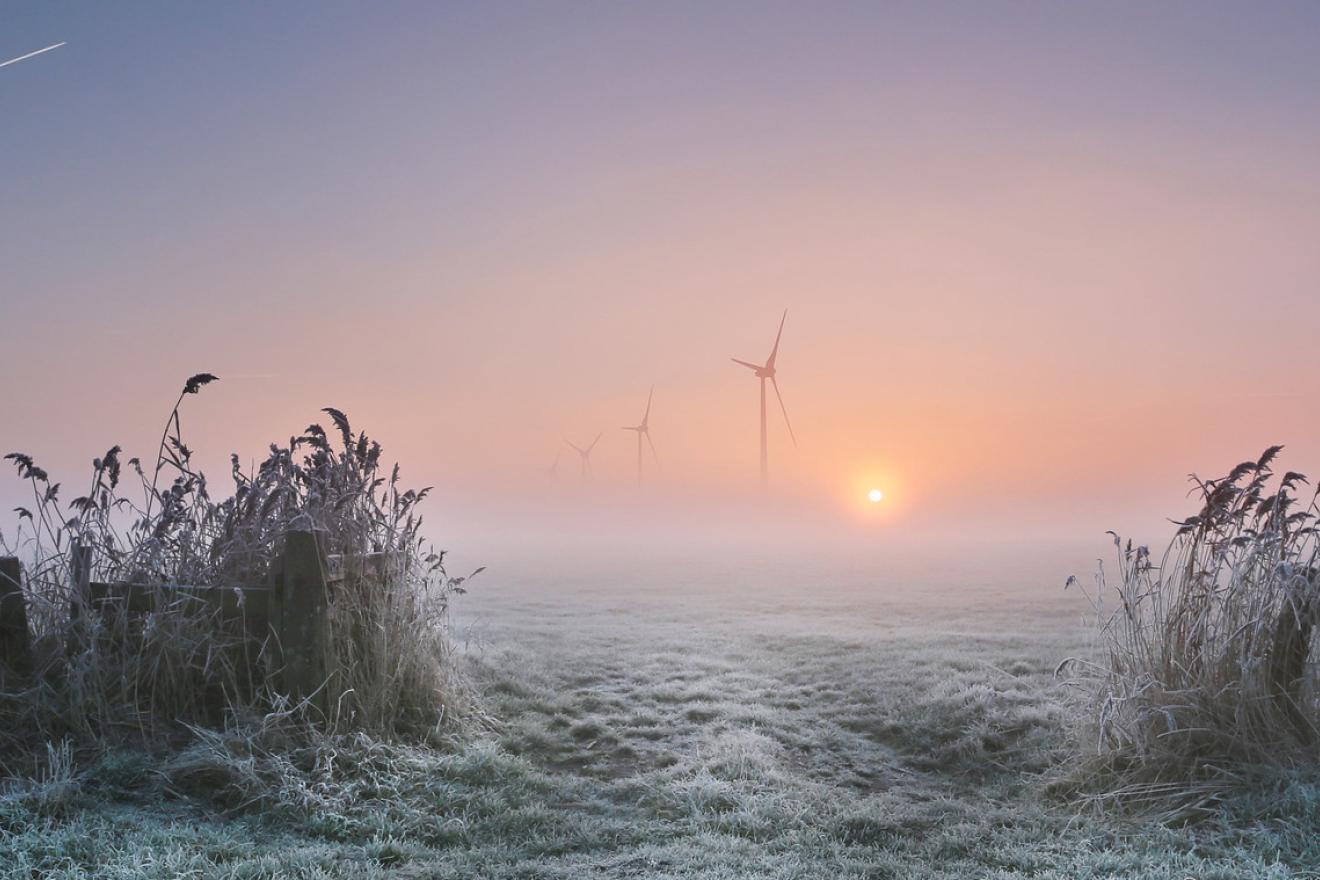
[{"x": 874, "y": 493}]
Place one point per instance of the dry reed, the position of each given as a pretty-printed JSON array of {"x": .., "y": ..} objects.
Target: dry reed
[
  {"x": 1206, "y": 682},
  {"x": 100, "y": 676}
]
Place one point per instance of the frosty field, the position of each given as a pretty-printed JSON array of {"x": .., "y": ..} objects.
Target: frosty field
[{"x": 677, "y": 720}]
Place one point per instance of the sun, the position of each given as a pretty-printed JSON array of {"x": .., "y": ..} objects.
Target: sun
[{"x": 875, "y": 495}]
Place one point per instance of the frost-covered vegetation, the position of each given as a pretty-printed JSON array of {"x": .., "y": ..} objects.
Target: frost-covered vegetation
[
  {"x": 686, "y": 734},
  {"x": 103, "y": 674},
  {"x": 1209, "y": 678}
]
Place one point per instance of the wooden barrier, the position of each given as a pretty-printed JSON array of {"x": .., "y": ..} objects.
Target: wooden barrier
[
  {"x": 287, "y": 619},
  {"x": 248, "y": 604}
]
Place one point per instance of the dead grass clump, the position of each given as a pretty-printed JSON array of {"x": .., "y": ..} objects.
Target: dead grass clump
[
  {"x": 1207, "y": 678},
  {"x": 101, "y": 673},
  {"x": 345, "y": 786},
  {"x": 52, "y": 791}
]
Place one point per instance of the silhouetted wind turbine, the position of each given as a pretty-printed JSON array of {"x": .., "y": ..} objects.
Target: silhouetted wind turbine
[
  {"x": 585, "y": 454},
  {"x": 763, "y": 372},
  {"x": 644, "y": 430},
  {"x": 553, "y": 471}
]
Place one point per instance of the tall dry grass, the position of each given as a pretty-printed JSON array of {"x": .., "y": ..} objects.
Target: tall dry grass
[
  {"x": 102, "y": 676},
  {"x": 1207, "y": 681}
]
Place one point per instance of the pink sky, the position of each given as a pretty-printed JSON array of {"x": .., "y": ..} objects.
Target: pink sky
[{"x": 1037, "y": 268}]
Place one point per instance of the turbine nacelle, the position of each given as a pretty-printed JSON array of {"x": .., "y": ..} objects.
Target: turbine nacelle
[
  {"x": 585, "y": 454},
  {"x": 762, "y": 371}
]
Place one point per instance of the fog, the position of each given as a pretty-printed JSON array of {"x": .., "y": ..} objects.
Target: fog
[{"x": 1038, "y": 267}]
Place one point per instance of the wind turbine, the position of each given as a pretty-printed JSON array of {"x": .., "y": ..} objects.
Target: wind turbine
[
  {"x": 644, "y": 430},
  {"x": 763, "y": 372},
  {"x": 553, "y": 471},
  {"x": 585, "y": 454}
]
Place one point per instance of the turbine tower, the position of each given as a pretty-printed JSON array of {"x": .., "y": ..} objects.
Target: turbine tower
[
  {"x": 585, "y": 455},
  {"x": 644, "y": 430},
  {"x": 763, "y": 372}
]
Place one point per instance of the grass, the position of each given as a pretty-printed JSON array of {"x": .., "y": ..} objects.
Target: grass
[
  {"x": 705, "y": 736},
  {"x": 1208, "y": 685},
  {"x": 102, "y": 674}
]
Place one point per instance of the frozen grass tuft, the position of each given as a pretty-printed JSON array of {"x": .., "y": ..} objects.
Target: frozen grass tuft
[{"x": 1208, "y": 684}]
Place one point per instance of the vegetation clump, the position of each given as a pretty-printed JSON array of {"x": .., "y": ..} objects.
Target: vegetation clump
[
  {"x": 1207, "y": 683},
  {"x": 100, "y": 670}
]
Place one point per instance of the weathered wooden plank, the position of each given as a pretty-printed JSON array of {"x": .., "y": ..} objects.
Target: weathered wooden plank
[
  {"x": 233, "y": 601},
  {"x": 377, "y": 566},
  {"x": 15, "y": 640},
  {"x": 340, "y": 566}
]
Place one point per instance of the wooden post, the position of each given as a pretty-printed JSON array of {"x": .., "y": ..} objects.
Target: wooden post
[
  {"x": 15, "y": 642},
  {"x": 80, "y": 572},
  {"x": 305, "y": 622},
  {"x": 80, "y": 577}
]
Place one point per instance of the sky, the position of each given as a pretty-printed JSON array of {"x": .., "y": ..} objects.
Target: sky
[{"x": 1040, "y": 261}]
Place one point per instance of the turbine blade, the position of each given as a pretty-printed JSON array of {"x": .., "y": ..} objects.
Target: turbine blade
[
  {"x": 648, "y": 405},
  {"x": 577, "y": 448},
  {"x": 747, "y": 365},
  {"x": 774, "y": 352},
  {"x": 594, "y": 442},
  {"x": 783, "y": 409},
  {"x": 655, "y": 456}
]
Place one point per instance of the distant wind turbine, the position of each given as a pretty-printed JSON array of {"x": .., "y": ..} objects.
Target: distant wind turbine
[
  {"x": 30, "y": 55},
  {"x": 553, "y": 471},
  {"x": 644, "y": 430},
  {"x": 585, "y": 454},
  {"x": 763, "y": 372}
]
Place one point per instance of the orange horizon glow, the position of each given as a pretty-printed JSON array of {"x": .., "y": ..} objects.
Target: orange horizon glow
[{"x": 1088, "y": 278}]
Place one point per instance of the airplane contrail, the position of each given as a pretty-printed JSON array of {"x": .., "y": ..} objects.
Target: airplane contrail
[{"x": 29, "y": 55}]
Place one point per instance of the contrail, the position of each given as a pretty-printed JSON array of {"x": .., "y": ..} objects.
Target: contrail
[{"x": 29, "y": 55}]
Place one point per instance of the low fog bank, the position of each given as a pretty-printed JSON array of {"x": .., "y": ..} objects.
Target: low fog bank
[
  {"x": 652, "y": 522},
  {"x": 772, "y": 559}
]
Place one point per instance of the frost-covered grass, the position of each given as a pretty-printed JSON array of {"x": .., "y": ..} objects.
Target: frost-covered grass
[
  {"x": 677, "y": 735},
  {"x": 1208, "y": 685},
  {"x": 100, "y": 673}
]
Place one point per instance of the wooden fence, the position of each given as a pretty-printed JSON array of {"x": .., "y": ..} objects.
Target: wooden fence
[{"x": 290, "y": 613}]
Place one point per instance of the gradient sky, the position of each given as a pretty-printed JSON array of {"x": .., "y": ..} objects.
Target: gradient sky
[{"x": 1040, "y": 261}]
